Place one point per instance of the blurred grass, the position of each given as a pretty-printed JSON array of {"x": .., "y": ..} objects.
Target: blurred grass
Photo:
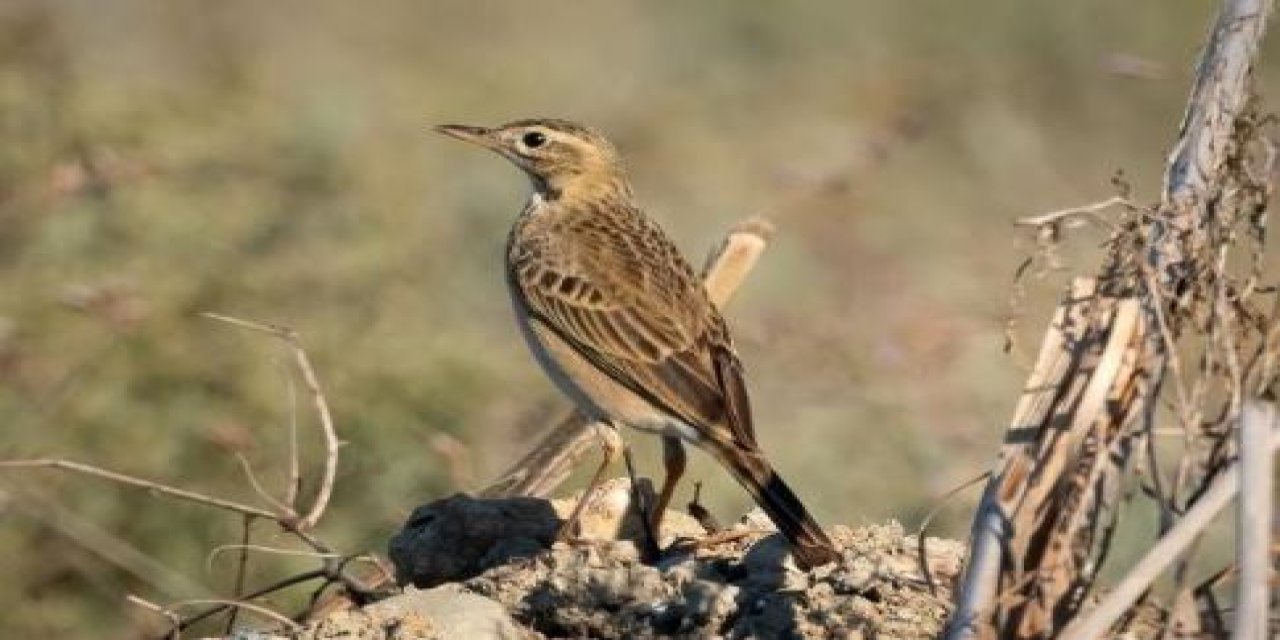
[{"x": 273, "y": 161}]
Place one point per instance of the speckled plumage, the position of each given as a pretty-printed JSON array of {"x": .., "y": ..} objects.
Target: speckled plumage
[{"x": 619, "y": 319}]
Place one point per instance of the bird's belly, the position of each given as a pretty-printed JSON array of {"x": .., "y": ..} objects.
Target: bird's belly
[{"x": 594, "y": 392}]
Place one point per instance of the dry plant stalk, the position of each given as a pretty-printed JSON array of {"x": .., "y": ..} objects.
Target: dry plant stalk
[
  {"x": 546, "y": 466},
  {"x": 1169, "y": 321}
]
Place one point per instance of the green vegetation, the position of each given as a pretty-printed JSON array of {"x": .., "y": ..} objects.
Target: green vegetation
[{"x": 273, "y": 161}]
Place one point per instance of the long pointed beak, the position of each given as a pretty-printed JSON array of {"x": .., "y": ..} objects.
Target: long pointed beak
[{"x": 482, "y": 136}]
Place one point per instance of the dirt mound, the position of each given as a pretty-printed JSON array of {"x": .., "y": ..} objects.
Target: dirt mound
[
  {"x": 486, "y": 568},
  {"x": 743, "y": 588}
]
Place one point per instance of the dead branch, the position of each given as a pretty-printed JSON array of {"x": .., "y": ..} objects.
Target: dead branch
[
  {"x": 550, "y": 461},
  {"x": 1207, "y": 136}
]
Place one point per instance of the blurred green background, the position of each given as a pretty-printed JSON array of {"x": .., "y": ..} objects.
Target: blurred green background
[{"x": 273, "y": 161}]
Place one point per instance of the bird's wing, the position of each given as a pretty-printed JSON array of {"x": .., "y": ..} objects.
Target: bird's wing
[{"x": 631, "y": 305}]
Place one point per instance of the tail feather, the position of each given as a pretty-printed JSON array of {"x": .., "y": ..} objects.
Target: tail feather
[{"x": 809, "y": 543}]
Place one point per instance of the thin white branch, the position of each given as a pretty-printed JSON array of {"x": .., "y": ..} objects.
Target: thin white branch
[
  {"x": 1088, "y": 210},
  {"x": 1254, "y": 522}
]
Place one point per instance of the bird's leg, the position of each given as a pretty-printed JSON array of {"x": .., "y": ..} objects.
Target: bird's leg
[
  {"x": 611, "y": 446},
  {"x": 651, "y": 551},
  {"x": 673, "y": 460}
]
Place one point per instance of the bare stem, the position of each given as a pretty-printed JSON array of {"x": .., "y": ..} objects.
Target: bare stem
[{"x": 312, "y": 382}]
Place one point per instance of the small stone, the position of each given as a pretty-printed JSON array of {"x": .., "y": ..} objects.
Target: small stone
[{"x": 444, "y": 613}]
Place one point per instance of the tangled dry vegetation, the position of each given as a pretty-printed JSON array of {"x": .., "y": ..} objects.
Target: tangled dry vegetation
[{"x": 1154, "y": 376}]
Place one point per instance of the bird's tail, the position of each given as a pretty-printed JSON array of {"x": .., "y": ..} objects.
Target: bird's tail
[{"x": 809, "y": 543}]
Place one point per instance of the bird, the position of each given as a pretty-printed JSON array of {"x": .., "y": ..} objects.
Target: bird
[{"x": 618, "y": 320}]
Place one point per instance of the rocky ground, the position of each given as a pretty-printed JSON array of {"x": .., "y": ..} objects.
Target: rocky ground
[{"x": 485, "y": 569}]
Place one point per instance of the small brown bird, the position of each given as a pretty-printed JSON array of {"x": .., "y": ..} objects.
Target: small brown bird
[{"x": 619, "y": 321}]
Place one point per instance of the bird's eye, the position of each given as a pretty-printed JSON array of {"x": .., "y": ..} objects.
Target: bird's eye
[{"x": 534, "y": 139}]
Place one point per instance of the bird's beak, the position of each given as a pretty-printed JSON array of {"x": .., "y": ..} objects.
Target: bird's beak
[{"x": 482, "y": 136}]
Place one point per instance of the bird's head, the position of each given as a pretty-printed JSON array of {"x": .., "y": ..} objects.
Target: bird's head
[{"x": 559, "y": 156}]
